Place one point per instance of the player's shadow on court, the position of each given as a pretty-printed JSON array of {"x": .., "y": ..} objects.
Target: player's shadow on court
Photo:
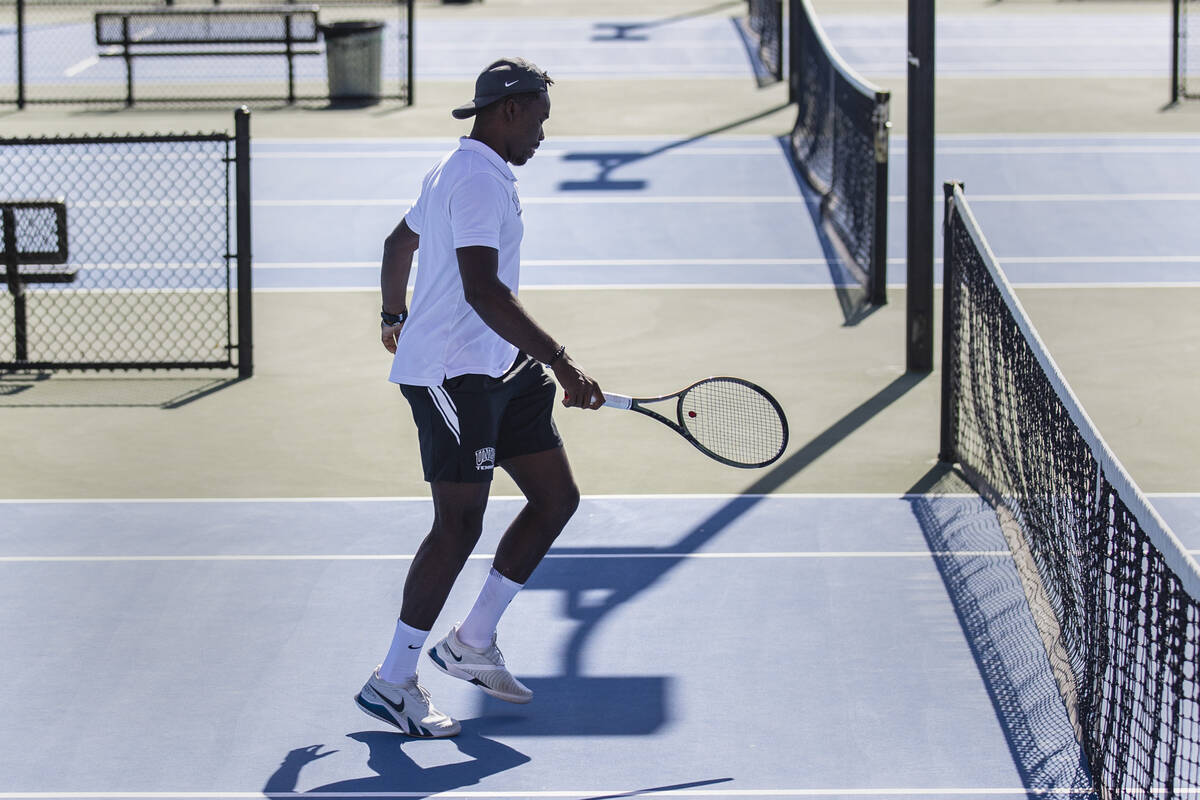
[
  {"x": 574, "y": 704},
  {"x": 608, "y": 163},
  {"x": 635, "y": 31},
  {"x": 394, "y": 772},
  {"x": 985, "y": 589}
]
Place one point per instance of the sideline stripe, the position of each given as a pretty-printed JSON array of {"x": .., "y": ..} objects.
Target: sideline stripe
[
  {"x": 573, "y": 795},
  {"x": 504, "y": 497},
  {"x": 847, "y": 554},
  {"x": 638, "y": 199}
]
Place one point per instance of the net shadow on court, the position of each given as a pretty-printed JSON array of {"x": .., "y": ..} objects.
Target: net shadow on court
[{"x": 984, "y": 589}]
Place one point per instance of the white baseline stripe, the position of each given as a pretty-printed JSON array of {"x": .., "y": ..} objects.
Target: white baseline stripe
[
  {"x": 638, "y": 199},
  {"x": 1070, "y": 198},
  {"x": 845, "y": 554},
  {"x": 728, "y": 287},
  {"x": 1056, "y": 150},
  {"x": 714, "y": 262},
  {"x": 508, "y": 497},
  {"x": 583, "y": 156},
  {"x": 568, "y": 795},
  {"x": 603, "y": 198}
]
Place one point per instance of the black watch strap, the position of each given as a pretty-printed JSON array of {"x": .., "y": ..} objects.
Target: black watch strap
[{"x": 393, "y": 319}]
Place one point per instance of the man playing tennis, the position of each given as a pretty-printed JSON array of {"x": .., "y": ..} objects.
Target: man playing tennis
[{"x": 469, "y": 360}]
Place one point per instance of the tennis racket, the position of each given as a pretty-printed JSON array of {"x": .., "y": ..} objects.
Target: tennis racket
[{"x": 728, "y": 419}]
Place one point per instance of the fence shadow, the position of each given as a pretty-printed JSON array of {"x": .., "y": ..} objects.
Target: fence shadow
[{"x": 47, "y": 390}]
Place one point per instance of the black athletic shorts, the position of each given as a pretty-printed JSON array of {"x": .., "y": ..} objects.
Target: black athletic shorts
[{"x": 471, "y": 423}]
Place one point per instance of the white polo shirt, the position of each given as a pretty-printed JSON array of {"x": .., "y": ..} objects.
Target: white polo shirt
[{"x": 470, "y": 198}]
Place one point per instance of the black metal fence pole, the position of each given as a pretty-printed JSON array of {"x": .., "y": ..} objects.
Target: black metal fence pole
[
  {"x": 948, "y": 449},
  {"x": 20, "y": 53},
  {"x": 245, "y": 326},
  {"x": 125, "y": 41},
  {"x": 15, "y": 287},
  {"x": 921, "y": 20},
  {"x": 291, "y": 62}
]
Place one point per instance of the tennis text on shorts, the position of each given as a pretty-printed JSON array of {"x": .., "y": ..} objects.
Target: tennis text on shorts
[{"x": 485, "y": 458}]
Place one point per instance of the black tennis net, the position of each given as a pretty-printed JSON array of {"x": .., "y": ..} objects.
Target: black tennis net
[
  {"x": 1112, "y": 591},
  {"x": 840, "y": 146},
  {"x": 766, "y": 24}
]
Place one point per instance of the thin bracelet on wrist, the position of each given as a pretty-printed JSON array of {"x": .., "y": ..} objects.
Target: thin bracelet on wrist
[{"x": 557, "y": 355}]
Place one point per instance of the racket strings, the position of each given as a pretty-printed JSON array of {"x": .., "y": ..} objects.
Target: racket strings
[{"x": 733, "y": 420}]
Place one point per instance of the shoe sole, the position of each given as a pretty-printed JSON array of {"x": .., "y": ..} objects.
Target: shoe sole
[
  {"x": 454, "y": 672},
  {"x": 371, "y": 710}
]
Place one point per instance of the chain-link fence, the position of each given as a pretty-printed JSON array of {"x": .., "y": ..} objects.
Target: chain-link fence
[
  {"x": 143, "y": 275},
  {"x": 199, "y": 51}
]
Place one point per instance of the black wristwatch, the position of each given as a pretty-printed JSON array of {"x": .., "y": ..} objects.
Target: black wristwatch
[{"x": 393, "y": 319}]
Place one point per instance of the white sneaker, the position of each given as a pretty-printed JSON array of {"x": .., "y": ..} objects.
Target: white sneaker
[
  {"x": 482, "y": 666},
  {"x": 405, "y": 705}
]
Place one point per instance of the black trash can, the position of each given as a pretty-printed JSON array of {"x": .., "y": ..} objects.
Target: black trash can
[{"x": 354, "y": 59}]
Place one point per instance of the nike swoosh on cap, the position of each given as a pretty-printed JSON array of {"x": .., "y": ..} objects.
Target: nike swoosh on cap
[{"x": 513, "y": 83}]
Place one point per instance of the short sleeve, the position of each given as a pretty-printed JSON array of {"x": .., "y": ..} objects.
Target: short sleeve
[
  {"x": 414, "y": 218},
  {"x": 477, "y": 207}
]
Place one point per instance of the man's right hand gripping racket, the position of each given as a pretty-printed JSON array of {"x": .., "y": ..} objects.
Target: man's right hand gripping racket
[{"x": 728, "y": 419}]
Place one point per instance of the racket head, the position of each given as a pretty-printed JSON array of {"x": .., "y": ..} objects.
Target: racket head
[{"x": 733, "y": 421}]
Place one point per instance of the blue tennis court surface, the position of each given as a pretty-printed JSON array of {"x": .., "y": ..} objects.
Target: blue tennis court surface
[
  {"x": 727, "y": 210},
  {"x": 723, "y": 646}
]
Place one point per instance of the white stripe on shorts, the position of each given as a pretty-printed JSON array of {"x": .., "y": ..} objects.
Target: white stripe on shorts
[{"x": 446, "y": 407}]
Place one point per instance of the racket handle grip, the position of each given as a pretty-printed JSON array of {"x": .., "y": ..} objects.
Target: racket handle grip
[{"x": 618, "y": 401}]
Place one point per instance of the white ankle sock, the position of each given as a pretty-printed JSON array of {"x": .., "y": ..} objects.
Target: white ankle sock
[
  {"x": 401, "y": 661},
  {"x": 479, "y": 626}
]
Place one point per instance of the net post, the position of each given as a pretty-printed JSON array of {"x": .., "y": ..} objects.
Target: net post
[
  {"x": 794, "y": 50},
  {"x": 241, "y": 124},
  {"x": 410, "y": 89},
  {"x": 921, "y": 21},
  {"x": 20, "y": 54},
  {"x": 947, "y": 449},
  {"x": 883, "y": 125},
  {"x": 1176, "y": 13}
]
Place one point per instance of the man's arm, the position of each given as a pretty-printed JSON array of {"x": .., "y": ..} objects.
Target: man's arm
[
  {"x": 398, "y": 250},
  {"x": 500, "y": 309}
]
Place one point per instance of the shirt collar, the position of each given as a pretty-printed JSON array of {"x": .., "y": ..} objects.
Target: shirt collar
[{"x": 467, "y": 143}]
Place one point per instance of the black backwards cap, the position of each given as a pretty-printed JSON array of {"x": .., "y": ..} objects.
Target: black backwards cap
[{"x": 500, "y": 79}]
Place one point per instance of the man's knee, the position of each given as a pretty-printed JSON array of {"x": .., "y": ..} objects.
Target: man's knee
[{"x": 558, "y": 504}]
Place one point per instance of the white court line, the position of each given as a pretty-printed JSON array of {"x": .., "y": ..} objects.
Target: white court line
[
  {"x": 633, "y": 554},
  {"x": 542, "y": 152},
  {"x": 1058, "y": 150},
  {"x": 601, "y": 198},
  {"x": 501, "y": 498},
  {"x": 79, "y": 67},
  {"x": 588, "y": 262},
  {"x": 1140, "y": 197},
  {"x": 605, "y": 198},
  {"x": 573, "y": 795}
]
